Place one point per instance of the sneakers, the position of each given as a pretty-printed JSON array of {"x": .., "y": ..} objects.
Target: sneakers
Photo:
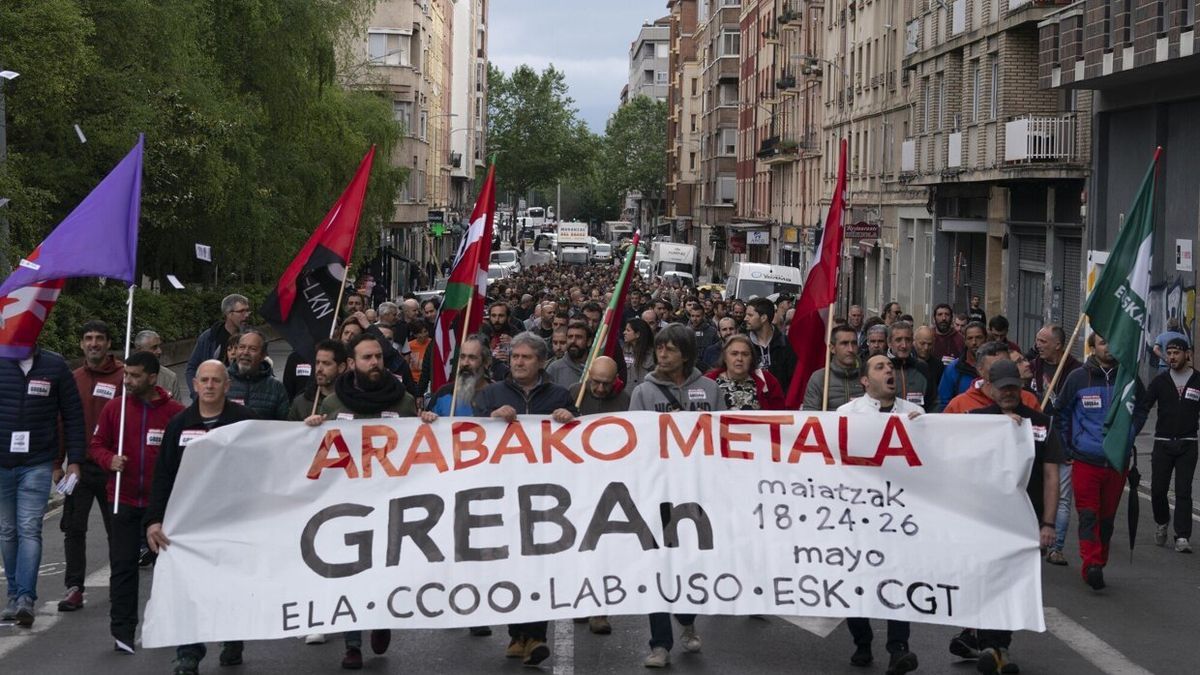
[
  {"x": 536, "y": 651},
  {"x": 24, "y": 615},
  {"x": 353, "y": 659},
  {"x": 187, "y": 665},
  {"x": 1056, "y": 557},
  {"x": 314, "y": 639},
  {"x": 689, "y": 639},
  {"x": 72, "y": 601},
  {"x": 516, "y": 649},
  {"x": 862, "y": 656},
  {"x": 993, "y": 661},
  {"x": 965, "y": 645},
  {"x": 231, "y": 654},
  {"x": 659, "y": 658},
  {"x": 599, "y": 625},
  {"x": 480, "y": 631},
  {"x": 1182, "y": 545},
  {"x": 380, "y": 640},
  {"x": 901, "y": 663},
  {"x": 1094, "y": 576},
  {"x": 10, "y": 610},
  {"x": 1160, "y": 535}
]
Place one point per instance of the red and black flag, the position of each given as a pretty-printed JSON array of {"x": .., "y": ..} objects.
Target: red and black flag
[{"x": 303, "y": 305}]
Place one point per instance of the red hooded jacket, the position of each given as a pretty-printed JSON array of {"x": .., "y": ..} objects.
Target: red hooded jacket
[{"x": 145, "y": 424}]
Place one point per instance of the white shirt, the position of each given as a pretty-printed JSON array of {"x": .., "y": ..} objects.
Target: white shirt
[{"x": 867, "y": 404}]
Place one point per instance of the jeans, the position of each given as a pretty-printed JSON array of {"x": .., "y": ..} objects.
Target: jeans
[
  {"x": 661, "y": 632},
  {"x": 1178, "y": 457},
  {"x": 77, "y": 509},
  {"x": 24, "y": 492},
  {"x": 1065, "y": 494},
  {"x": 124, "y": 545},
  {"x": 897, "y": 634}
]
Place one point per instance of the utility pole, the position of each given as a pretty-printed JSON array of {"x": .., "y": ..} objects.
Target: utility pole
[
  {"x": 5, "y": 75},
  {"x": 558, "y": 203}
]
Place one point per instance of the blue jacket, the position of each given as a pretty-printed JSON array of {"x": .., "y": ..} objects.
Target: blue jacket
[
  {"x": 1082, "y": 406},
  {"x": 210, "y": 345},
  {"x": 956, "y": 379},
  {"x": 33, "y": 403}
]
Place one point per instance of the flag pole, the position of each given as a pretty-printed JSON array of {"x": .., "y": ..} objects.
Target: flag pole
[
  {"x": 458, "y": 354},
  {"x": 1063, "y": 360},
  {"x": 610, "y": 317},
  {"x": 828, "y": 354},
  {"x": 601, "y": 338},
  {"x": 333, "y": 327},
  {"x": 121, "y": 431}
]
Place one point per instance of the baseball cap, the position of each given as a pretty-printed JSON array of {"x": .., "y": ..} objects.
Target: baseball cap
[{"x": 1004, "y": 373}]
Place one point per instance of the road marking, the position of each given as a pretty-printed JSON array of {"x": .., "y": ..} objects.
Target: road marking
[
  {"x": 1085, "y": 643},
  {"x": 47, "y": 616},
  {"x": 564, "y": 647},
  {"x": 1144, "y": 493}
]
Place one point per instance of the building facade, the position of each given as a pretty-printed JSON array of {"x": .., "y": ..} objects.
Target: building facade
[
  {"x": 683, "y": 121},
  {"x": 649, "y": 60},
  {"x": 428, "y": 57},
  {"x": 1138, "y": 59}
]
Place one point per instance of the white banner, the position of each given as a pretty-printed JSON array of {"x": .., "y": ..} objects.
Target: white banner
[{"x": 281, "y": 530}]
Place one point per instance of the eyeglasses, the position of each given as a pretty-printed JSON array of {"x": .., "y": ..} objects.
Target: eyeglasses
[{"x": 244, "y": 310}]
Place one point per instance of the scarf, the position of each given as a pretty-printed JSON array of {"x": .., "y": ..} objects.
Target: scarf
[{"x": 371, "y": 400}]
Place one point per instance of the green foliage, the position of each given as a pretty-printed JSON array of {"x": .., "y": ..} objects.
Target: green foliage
[
  {"x": 636, "y": 148},
  {"x": 248, "y": 138}
]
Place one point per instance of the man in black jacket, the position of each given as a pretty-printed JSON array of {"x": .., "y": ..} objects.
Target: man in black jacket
[
  {"x": 34, "y": 393},
  {"x": 774, "y": 353},
  {"x": 209, "y": 410},
  {"x": 526, "y": 391},
  {"x": 1177, "y": 394}
]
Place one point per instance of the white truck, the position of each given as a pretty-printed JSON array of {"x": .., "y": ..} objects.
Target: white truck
[
  {"x": 574, "y": 243},
  {"x": 667, "y": 257},
  {"x": 758, "y": 280},
  {"x": 616, "y": 230}
]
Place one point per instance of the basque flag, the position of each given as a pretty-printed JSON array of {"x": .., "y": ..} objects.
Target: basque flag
[{"x": 304, "y": 302}]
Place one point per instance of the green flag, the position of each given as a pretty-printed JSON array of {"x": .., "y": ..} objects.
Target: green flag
[{"x": 1117, "y": 309}]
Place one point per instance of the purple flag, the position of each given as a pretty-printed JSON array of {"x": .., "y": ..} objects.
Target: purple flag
[{"x": 98, "y": 238}]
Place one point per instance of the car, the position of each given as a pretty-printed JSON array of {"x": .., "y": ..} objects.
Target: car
[
  {"x": 507, "y": 258},
  {"x": 643, "y": 267},
  {"x": 602, "y": 253},
  {"x": 496, "y": 272},
  {"x": 682, "y": 279}
]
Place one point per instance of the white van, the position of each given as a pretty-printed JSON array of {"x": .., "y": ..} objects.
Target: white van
[{"x": 758, "y": 280}]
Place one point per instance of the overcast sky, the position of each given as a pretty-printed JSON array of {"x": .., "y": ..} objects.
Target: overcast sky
[{"x": 587, "y": 40}]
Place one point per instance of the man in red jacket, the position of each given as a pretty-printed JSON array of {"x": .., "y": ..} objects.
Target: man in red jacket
[
  {"x": 148, "y": 408},
  {"x": 99, "y": 382}
]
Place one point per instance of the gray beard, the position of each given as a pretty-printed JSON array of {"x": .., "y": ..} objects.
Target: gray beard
[{"x": 467, "y": 386}]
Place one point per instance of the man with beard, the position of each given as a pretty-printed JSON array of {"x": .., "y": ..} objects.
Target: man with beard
[
  {"x": 961, "y": 372},
  {"x": 711, "y": 356},
  {"x": 775, "y": 354},
  {"x": 975, "y": 396},
  {"x": 947, "y": 341},
  {"x": 473, "y": 373},
  {"x": 912, "y": 376},
  {"x": 148, "y": 410},
  {"x": 558, "y": 345},
  {"x": 705, "y": 332},
  {"x": 330, "y": 363},
  {"x": 879, "y": 385},
  {"x": 526, "y": 391},
  {"x": 1005, "y": 388},
  {"x": 98, "y": 381},
  {"x": 252, "y": 383},
  {"x": 210, "y": 409},
  {"x": 212, "y": 342},
  {"x": 366, "y": 391},
  {"x": 592, "y": 314},
  {"x": 499, "y": 330},
  {"x": 569, "y": 370},
  {"x": 923, "y": 347},
  {"x": 149, "y": 341},
  {"x": 845, "y": 384}
]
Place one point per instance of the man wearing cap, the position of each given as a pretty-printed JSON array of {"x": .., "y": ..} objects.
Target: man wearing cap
[{"x": 1176, "y": 391}]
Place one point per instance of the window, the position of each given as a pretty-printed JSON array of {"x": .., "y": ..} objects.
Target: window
[
  {"x": 1189, "y": 15},
  {"x": 693, "y": 123},
  {"x": 423, "y": 125},
  {"x": 928, "y": 95},
  {"x": 692, "y": 160},
  {"x": 660, "y": 77},
  {"x": 662, "y": 50},
  {"x": 975, "y": 93},
  {"x": 730, "y": 43},
  {"x": 479, "y": 146},
  {"x": 648, "y": 50},
  {"x": 726, "y": 189},
  {"x": 648, "y": 77},
  {"x": 728, "y": 141},
  {"x": 1106, "y": 26},
  {"x": 1127, "y": 29},
  {"x": 695, "y": 86},
  {"x": 389, "y": 48},
  {"x": 941, "y": 105},
  {"x": 727, "y": 92},
  {"x": 995, "y": 100},
  {"x": 1161, "y": 21},
  {"x": 402, "y": 112},
  {"x": 731, "y": 3}
]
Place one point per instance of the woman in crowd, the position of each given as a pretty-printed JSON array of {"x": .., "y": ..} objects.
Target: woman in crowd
[
  {"x": 744, "y": 385},
  {"x": 638, "y": 346}
]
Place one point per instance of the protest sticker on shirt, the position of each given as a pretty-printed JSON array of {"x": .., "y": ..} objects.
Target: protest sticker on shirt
[
  {"x": 1192, "y": 394},
  {"x": 38, "y": 388},
  {"x": 189, "y": 435},
  {"x": 154, "y": 436},
  {"x": 303, "y": 369},
  {"x": 1092, "y": 401},
  {"x": 104, "y": 390}
]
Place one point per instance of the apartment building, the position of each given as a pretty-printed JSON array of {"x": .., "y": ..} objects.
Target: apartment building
[
  {"x": 718, "y": 48},
  {"x": 429, "y": 57},
  {"x": 649, "y": 75},
  {"x": 1138, "y": 58},
  {"x": 1002, "y": 161},
  {"x": 752, "y": 230},
  {"x": 683, "y": 120}
]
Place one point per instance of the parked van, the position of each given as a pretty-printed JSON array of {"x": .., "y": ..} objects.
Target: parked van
[{"x": 759, "y": 280}]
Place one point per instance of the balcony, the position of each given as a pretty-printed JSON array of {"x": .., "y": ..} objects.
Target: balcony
[
  {"x": 785, "y": 81},
  {"x": 777, "y": 150},
  {"x": 456, "y": 160},
  {"x": 1040, "y": 138},
  {"x": 790, "y": 17}
]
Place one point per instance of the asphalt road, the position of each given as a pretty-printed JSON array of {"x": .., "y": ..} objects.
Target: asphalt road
[{"x": 1143, "y": 622}]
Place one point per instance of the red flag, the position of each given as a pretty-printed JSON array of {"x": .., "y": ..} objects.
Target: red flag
[
  {"x": 318, "y": 271},
  {"x": 807, "y": 332},
  {"x": 23, "y": 312},
  {"x": 467, "y": 285}
]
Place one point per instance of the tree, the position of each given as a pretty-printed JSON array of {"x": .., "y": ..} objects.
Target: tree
[
  {"x": 532, "y": 128},
  {"x": 636, "y": 149}
]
